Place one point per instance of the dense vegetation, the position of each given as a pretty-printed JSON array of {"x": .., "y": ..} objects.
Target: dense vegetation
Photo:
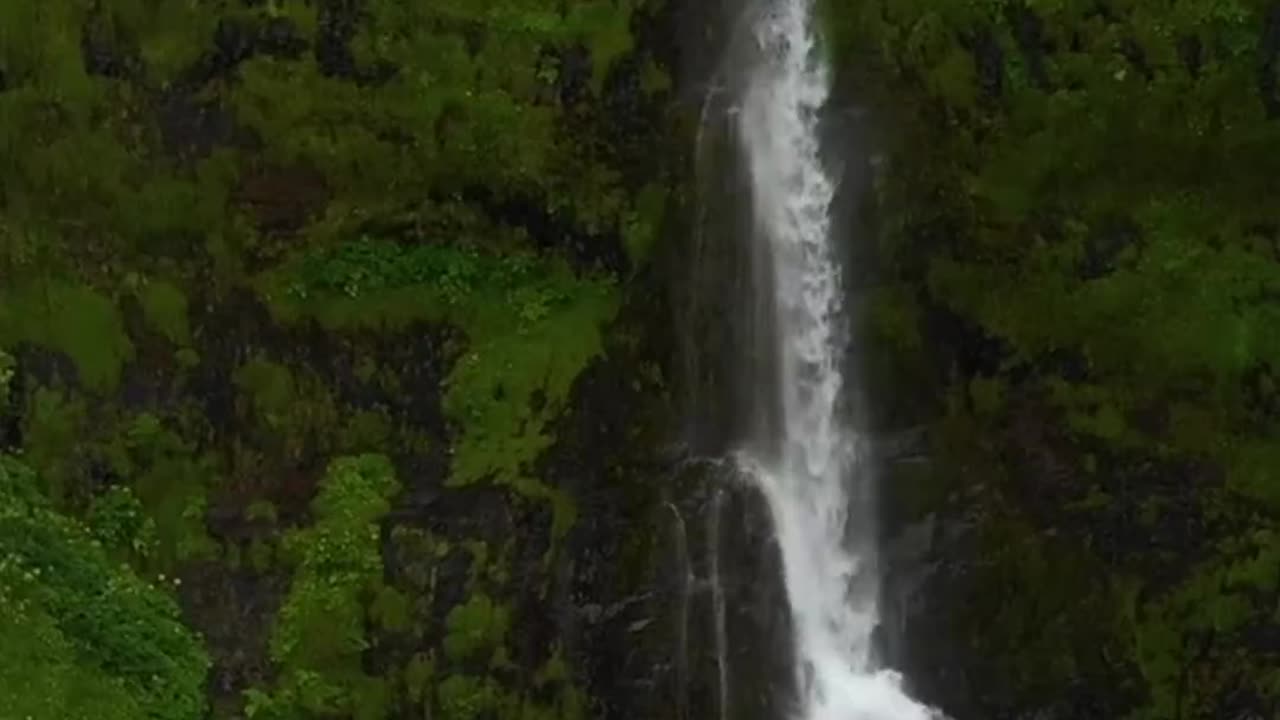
[
  {"x": 84, "y": 637},
  {"x": 293, "y": 295},
  {"x": 328, "y": 357},
  {"x": 1078, "y": 240}
]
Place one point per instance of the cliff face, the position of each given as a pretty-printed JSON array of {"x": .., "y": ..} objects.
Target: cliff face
[
  {"x": 338, "y": 336},
  {"x": 336, "y": 322},
  {"x": 1076, "y": 253}
]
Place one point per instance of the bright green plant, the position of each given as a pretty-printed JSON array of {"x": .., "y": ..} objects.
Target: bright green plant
[
  {"x": 319, "y": 633},
  {"x": 119, "y": 521},
  {"x": 81, "y": 622}
]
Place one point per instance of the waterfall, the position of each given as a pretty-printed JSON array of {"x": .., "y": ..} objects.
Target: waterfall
[
  {"x": 809, "y": 473},
  {"x": 717, "y": 603}
]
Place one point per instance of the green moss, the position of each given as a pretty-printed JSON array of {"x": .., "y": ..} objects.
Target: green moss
[
  {"x": 466, "y": 697},
  {"x": 477, "y": 626},
  {"x": 295, "y": 416},
  {"x": 55, "y": 423},
  {"x": 165, "y": 307},
  {"x": 171, "y": 480},
  {"x": 415, "y": 553},
  {"x": 653, "y": 79},
  {"x": 895, "y": 318},
  {"x": 270, "y": 387},
  {"x": 71, "y": 319},
  {"x": 391, "y": 610},
  {"x": 1209, "y": 611},
  {"x": 640, "y": 231},
  {"x": 365, "y": 431},
  {"x": 605, "y": 27},
  {"x": 200, "y": 177},
  {"x": 319, "y": 634},
  {"x": 531, "y": 326},
  {"x": 417, "y": 677},
  {"x": 1099, "y": 239},
  {"x": 262, "y": 555},
  {"x": 169, "y": 35},
  {"x": 263, "y": 510}
]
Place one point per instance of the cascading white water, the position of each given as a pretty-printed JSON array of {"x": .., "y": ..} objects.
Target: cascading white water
[{"x": 810, "y": 480}]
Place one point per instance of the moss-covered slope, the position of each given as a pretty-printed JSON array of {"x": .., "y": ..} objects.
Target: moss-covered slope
[
  {"x": 1077, "y": 231},
  {"x": 293, "y": 297}
]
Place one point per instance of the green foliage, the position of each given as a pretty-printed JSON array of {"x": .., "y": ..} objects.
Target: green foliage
[
  {"x": 320, "y": 631},
  {"x": 531, "y": 325},
  {"x": 71, "y": 319},
  {"x": 474, "y": 627},
  {"x": 206, "y": 178},
  {"x": 640, "y": 231},
  {"x": 294, "y": 414},
  {"x": 1209, "y": 614},
  {"x": 270, "y": 386},
  {"x": 1100, "y": 233},
  {"x": 171, "y": 480},
  {"x": 118, "y": 520},
  {"x": 466, "y": 697},
  {"x": 417, "y": 676},
  {"x": 83, "y": 635},
  {"x": 165, "y": 307},
  {"x": 54, "y": 422},
  {"x": 41, "y": 678},
  {"x": 391, "y": 610}
]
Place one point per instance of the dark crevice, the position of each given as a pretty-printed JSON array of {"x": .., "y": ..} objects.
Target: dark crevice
[
  {"x": 104, "y": 52},
  {"x": 191, "y": 128},
  {"x": 550, "y": 230},
  {"x": 337, "y": 22},
  {"x": 1137, "y": 57},
  {"x": 631, "y": 124},
  {"x": 1028, "y": 31},
  {"x": 1269, "y": 52},
  {"x": 988, "y": 57},
  {"x": 1191, "y": 52},
  {"x": 279, "y": 37},
  {"x": 12, "y": 409},
  {"x": 973, "y": 352},
  {"x": 236, "y": 40},
  {"x": 232, "y": 45},
  {"x": 1110, "y": 237},
  {"x": 575, "y": 75}
]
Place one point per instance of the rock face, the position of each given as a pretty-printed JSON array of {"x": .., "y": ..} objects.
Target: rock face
[
  {"x": 248, "y": 249},
  {"x": 250, "y": 246},
  {"x": 1093, "y": 534}
]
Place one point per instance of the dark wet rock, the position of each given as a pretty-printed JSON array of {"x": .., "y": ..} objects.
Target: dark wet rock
[
  {"x": 551, "y": 230},
  {"x": 336, "y": 25},
  {"x": 1269, "y": 63},
  {"x": 282, "y": 200},
  {"x": 279, "y": 37},
  {"x": 103, "y": 52}
]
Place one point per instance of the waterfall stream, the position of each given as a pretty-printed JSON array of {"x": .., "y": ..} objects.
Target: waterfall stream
[{"x": 809, "y": 473}]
